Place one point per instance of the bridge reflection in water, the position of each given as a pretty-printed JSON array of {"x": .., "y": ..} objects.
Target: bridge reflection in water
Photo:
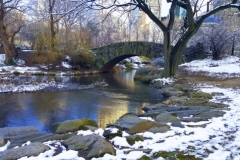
[{"x": 109, "y": 114}]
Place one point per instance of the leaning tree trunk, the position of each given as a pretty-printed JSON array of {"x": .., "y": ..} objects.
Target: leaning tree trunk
[{"x": 173, "y": 55}]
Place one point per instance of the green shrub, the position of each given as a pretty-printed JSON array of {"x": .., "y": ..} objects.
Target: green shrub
[{"x": 129, "y": 65}]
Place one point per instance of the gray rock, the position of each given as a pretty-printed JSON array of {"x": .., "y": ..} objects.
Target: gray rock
[
  {"x": 90, "y": 145},
  {"x": 134, "y": 138},
  {"x": 2, "y": 143},
  {"x": 156, "y": 84},
  {"x": 170, "y": 93},
  {"x": 109, "y": 135},
  {"x": 194, "y": 119},
  {"x": 35, "y": 136},
  {"x": 133, "y": 124},
  {"x": 33, "y": 149},
  {"x": 153, "y": 107},
  {"x": 210, "y": 114},
  {"x": 10, "y": 132},
  {"x": 166, "y": 117},
  {"x": 177, "y": 124},
  {"x": 161, "y": 129},
  {"x": 174, "y": 100}
]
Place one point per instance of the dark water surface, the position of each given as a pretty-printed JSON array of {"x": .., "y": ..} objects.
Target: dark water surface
[{"x": 103, "y": 104}]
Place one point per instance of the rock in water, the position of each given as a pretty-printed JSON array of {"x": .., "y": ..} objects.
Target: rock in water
[{"x": 73, "y": 125}]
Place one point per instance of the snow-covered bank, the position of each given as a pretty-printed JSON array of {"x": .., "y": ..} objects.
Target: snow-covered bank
[{"x": 227, "y": 67}]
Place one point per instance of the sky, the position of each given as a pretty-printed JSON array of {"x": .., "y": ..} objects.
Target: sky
[{"x": 165, "y": 8}]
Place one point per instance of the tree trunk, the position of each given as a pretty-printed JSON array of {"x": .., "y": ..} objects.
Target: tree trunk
[
  {"x": 173, "y": 55},
  {"x": 52, "y": 30},
  {"x": 167, "y": 54},
  {"x": 9, "y": 49}
]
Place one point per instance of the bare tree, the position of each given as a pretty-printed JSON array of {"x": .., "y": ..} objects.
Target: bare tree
[
  {"x": 191, "y": 25},
  {"x": 11, "y": 21}
]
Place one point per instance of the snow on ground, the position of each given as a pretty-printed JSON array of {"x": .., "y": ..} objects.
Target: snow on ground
[
  {"x": 165, "y": 81},
  {"x": 34, "y": 86},
  {"x": 227, "y": 67},
  {"x": 66, "y": 65}
]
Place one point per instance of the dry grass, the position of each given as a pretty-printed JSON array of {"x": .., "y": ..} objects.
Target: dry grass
[{"x": 186, "y": 77}]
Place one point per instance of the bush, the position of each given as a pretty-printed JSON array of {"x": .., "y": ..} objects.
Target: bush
[
  {"x": 83, "y": 57},
  {"x": 45, "y": 53}
]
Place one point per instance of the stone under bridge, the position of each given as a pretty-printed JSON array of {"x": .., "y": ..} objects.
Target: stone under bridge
[{"x": 107, "y": 57}]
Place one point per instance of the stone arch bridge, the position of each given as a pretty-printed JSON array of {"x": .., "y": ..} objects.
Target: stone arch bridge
[{"x": 107, "y": 57}]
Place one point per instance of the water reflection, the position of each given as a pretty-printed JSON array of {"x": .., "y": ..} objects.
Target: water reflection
[
  {"x": 125, "y": 78},
  {"x": 103, "y": 104}
]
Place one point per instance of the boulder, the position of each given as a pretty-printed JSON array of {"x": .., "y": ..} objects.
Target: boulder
[
  {"x": 73, "y": 125},
  {"x": 2, "y": 143},
  {"x": 10, "y": 132},
  {"x": 166, "y": 117},
  {"x": 177, "y": 124},
  {"x": 35, "y": 136},
  {"x": 90, "y": 145},
  {"x": 153, "y": 107},
  {"x": 174, "y": 100},
  {"x": 33, "y": 149},
  {"x": 134, "y": 138},
  {"x": 110, "y": 133},
  {"x": 133, "y": 124},
  {"x": 210, "y": 114},
  {"x": 160, "y": 129}
]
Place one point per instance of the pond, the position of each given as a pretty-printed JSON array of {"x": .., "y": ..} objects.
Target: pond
[{"x": 105, "y": 104}]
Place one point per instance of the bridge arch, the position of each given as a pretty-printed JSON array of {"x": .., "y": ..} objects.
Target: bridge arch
[{"x": 108, "y": 56}]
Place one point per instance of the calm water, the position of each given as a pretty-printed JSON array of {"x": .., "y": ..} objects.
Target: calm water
[{"x": 103, "y": 104}]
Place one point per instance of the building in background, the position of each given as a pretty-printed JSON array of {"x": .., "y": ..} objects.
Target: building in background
[{"x": 140, "y": 26}]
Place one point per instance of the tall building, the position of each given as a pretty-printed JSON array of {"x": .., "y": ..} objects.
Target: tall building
[{"x": 141, "y": 26}]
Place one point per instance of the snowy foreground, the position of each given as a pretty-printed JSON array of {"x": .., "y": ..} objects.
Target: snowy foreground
[{"x": 219, "y": 140}]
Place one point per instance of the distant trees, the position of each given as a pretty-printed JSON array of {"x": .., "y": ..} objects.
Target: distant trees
[
  {"x": 65, "y": 30},
  {"x": 219, "y": 35},
  {"x": 217, "y": 39}
]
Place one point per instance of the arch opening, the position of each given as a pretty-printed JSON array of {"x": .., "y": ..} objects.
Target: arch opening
[{"x": 110, "y": 64}]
